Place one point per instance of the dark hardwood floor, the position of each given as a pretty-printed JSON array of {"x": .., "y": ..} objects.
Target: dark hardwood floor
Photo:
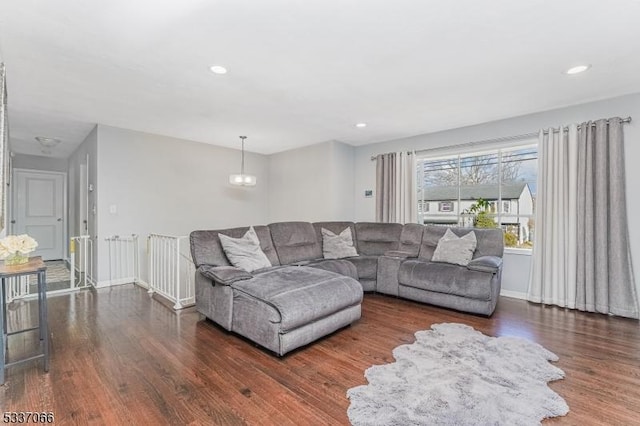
[{"x": 119, "y": 357}]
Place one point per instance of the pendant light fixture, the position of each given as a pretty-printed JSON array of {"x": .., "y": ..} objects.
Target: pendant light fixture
[{"x": 242, "y": 179}]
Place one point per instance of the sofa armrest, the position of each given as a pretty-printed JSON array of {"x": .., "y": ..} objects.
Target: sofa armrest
[
  {"x": 398, "y": 254},
  {"x": 485, "y": 264},
  {"x": 225, "y": 275}
]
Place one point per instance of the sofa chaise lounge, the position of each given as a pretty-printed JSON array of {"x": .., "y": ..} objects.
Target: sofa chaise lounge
[{"x": 304, "y": 296}]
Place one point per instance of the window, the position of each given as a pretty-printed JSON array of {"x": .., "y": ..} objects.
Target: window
[
  {"x": 445, "y": 206},
  {"x": 423, "y": 207},
  {"x": 504, "y": 178}
]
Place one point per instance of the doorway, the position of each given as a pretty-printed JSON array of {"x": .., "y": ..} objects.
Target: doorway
[{"x": 38, "y": 209}]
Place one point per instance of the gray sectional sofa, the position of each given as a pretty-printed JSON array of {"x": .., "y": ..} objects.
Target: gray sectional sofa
[{"x": 303, "y": 296}]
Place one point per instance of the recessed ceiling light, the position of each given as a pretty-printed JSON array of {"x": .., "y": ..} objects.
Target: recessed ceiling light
[
  {"x": 577, "y": 69},
  {"x": 217, "y": 69},
  {"x": 361, "y": 125}
]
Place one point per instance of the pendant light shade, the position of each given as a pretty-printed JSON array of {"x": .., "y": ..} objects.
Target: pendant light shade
[{"x": 242, "y": 179}]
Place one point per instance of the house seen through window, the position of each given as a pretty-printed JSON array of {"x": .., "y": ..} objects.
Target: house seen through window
[{"x": 500, "y": 183}]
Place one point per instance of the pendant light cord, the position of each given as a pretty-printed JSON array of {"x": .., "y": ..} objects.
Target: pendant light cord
[{"x": 242, "y": 163}]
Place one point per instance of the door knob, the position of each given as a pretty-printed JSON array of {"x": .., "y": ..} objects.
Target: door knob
[
  {"x": 59, "y": 219},
  {"x": 13, "y": 221}
]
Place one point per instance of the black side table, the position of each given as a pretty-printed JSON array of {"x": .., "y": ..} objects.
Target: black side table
[{"x": 35, "y": 266}]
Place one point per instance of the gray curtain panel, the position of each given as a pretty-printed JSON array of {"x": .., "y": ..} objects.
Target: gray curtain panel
[
  {"x": 4, "y": 142},
  {"x": 553, "y": 264},
  {"x": 396, "y": 180},
  {"x": 385, "y": 187},
  {"x": 604, "y": 271}
]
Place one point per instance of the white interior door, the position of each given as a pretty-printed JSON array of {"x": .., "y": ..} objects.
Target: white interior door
[{"x": 39, "y": 210}]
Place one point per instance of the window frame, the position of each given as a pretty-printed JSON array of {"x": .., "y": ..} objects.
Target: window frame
[{"x": 479, "y": 150}]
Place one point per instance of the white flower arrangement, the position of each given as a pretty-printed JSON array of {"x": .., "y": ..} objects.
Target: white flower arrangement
[{"x": 17, "y": 244}]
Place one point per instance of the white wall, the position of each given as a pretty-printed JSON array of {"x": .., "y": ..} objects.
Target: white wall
[
  {"x": 343, "y": 174},
  {"x": 89, "y": 147},
  {"x": 36, "y": 162},
  {"x": 313, "y": 183},
  {"x": 516, "y": 268},
  {"x": 164, "y": 185}
]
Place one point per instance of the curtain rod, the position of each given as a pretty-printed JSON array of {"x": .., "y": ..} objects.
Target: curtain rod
[
  {"x": 566, "y": 129},
  {"x": 503, "y": 139},
  {"x": 373, "y": 157}
]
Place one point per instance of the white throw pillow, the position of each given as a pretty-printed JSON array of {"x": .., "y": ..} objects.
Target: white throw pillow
[
  {"x": 454, "y": 249},
  {"x": 245, "y": 252},
  {"x": 337, "y": 246}
]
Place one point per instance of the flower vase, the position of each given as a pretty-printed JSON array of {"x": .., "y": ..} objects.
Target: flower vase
[{"x": 16, "y": 259}]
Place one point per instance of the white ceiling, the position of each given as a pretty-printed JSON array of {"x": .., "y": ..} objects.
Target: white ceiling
[{"x": 303, "y": 72}]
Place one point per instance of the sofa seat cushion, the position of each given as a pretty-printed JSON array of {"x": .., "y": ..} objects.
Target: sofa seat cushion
[
  {"x": 445, "y": 278},
  {"x": 339, "y": 266},
  {"x": 367, "y": 266},
  {"x": 301, "y": 294}
]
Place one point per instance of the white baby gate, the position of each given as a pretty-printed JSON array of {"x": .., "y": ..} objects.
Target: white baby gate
[
  {"x": 80, "y": 261},
  {"x": 16, "y": 288},
  {"x": 123, "y": 259},
  {"x": 171, "y": 269}
]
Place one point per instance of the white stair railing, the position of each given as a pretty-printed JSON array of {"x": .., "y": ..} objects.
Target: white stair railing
[
  {"x": 80, "y": 271},
  {"x": 80, "y": 261},
  {"x": 171, "y": 269},
  {"x": 16, "y": 288},
  {"x": 123, "y": 259}
]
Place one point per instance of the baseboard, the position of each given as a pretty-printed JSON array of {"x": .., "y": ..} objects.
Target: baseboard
[
  {"x": 111, "y": 283},
  {"x": 51, "y": 293},
  {"x": 142, "y": 284},
  {"x": 513, "y": 294}
]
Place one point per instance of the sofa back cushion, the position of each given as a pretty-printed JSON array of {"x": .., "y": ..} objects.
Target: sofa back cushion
[
  {"x": 295, "y": 242},
  {"x": 411, "y": 238},
  {"x": 207, "y": 250},
  {"x": 489, "y": 241},
  {"x": 374, "y": 239}
]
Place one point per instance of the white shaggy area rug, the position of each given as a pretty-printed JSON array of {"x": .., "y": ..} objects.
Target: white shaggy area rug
[{"x": 455, "y": 375}]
